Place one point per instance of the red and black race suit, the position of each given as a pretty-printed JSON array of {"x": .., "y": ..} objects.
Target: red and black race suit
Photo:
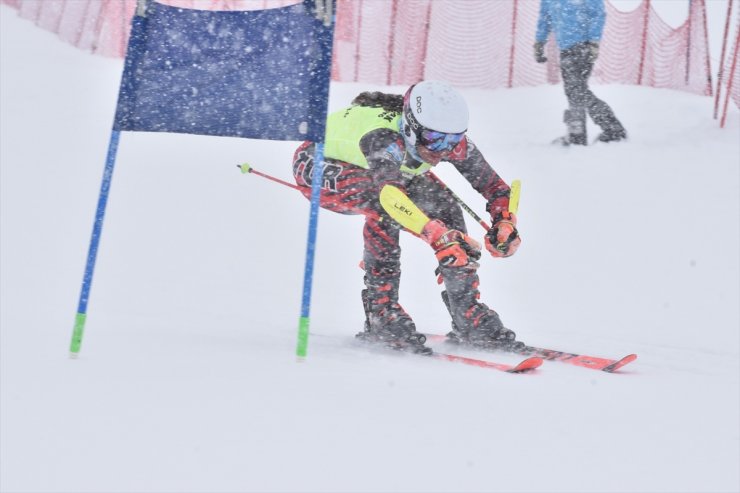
[{"x": 351, "y": 189}]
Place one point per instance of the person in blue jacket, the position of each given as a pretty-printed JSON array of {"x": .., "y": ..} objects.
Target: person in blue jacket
[{"x": 578, "y": 26}]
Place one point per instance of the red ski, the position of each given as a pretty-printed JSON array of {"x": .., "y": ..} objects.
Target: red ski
[
  {"x": 523, "y": 366},
  {"x": 590, "y": 362},
  {"x": 526, "y": 365}
]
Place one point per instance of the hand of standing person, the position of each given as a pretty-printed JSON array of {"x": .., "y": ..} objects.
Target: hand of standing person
[
  {"x": 593, "y": 48},
  {"x": 539, "y": 52}
]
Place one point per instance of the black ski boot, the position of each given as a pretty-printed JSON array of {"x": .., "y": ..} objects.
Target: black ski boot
[
  {"x": 613, "y": 134},
  {"x": 386, "y": 322},
  {"x": 612, "y": 129},
  {"x": 575, "y": 122},
  {"x": 473, "y": 323}
]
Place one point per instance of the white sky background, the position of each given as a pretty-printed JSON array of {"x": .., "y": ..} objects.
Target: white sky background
[{"x": 187, "y": 380}]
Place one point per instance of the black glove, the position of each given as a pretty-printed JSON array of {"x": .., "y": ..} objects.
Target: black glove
[{"x": 539, "y": 52}]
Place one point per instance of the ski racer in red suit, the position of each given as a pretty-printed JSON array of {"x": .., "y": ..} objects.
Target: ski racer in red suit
[{"x": 385, "y": 140}]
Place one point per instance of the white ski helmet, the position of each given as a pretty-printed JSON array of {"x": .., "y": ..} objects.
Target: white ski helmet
[{"x": 433, "y": 106}]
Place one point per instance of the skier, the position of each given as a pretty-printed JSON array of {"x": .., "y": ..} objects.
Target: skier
[
  {"x": 389, "y": 142},
  {"x": 578, "y": 26}
]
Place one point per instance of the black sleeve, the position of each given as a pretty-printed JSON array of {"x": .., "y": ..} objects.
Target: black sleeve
[
  {"x": 383, "y": 148},
  {"x": 469, "y": 161}
]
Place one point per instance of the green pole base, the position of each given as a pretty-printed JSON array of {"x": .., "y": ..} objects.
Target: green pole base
[
  {"x": 302, "y": 347},
  {"x": 77, "y": 333}
]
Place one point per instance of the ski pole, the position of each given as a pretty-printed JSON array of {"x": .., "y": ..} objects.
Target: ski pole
[
  {"x": 247, "y": 168},
  {"x": 513, "y": 198},
  {"x": 516, "y": 187},
  {"x": 460, "y": 201}
]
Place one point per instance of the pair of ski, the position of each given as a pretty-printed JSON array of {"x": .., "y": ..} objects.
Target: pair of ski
[{"x": 535, "y": 357}]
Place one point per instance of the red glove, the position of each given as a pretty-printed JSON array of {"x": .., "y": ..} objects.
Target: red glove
[
  {"x": 451, "y": 247},
  {"x": 502, "y": 240}
]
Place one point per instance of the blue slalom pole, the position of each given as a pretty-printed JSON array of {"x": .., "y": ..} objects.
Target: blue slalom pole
[
  {"x": 92, "y": 252},
  {"x": 316, "y": 181}
]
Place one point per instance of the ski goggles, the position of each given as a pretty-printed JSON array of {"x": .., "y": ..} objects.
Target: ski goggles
[{"x": 440, "y": 141}]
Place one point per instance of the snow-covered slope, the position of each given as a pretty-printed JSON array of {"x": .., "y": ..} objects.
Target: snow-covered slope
[{"x": 187, "y": 379}]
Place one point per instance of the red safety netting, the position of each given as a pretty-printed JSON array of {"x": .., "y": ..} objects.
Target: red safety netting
[
  {"x": 487, "y": 44},
  {"x": 476, "y": 43},
  {"x": 730, "y": 70},
  {"x": 734, "y": 72}
]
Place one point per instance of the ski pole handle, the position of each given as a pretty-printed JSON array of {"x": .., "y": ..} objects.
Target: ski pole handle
[{"x": 516, "y": 188}]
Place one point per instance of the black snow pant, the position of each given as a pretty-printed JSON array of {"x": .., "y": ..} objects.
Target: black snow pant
[{"x": 576, "y": 64}]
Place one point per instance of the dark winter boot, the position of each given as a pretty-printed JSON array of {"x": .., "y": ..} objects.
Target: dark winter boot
[
  {"x": 473, "y": 323},
  {"x": 612, "y": 129},
  {"x": 575, "y": 122},
  {"x": 386, "y": 321},
  {"x": 613, "y": 134}
]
